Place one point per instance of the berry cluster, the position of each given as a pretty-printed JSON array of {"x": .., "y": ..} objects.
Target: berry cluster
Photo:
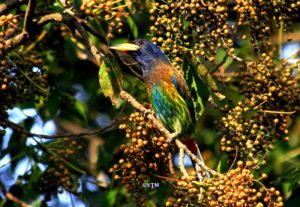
[
  {"x": 272, "y": 87},
  {"x": 59, "y": 174},
  {"x": 186, "y": 192},
  {"x": 271, "y": 97},
  {"x": 110, "y": 11},
  {"x": 182, "y": 27},
  {"x": 238, "y": 187},
  {"x": 8, "y": 24},
  {"x": 22, "y": 78},
  {"x": 198, "y": 28},
  {"x": 144, "y": 156},
  {"x": 259, "y": 16}
]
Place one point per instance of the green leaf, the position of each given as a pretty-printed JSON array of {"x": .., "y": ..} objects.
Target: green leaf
[
  {"x": 198, "y": 88},
  {"x": 81, "y": 109},
  {"x": 209, "y": 80},
  {"x": 71, "y": 49},
  {"x": 106, "y": 158},
  {"x": 204, "y": 73},
  {"x": 111, "y": 197},
  {"x": 222, "y": 57},
  {"x": 30, "y": 189},
  {"x": 292, "y": 177},
  {"x": 133, "y": 26},
  {"x": 47, "y": 107},
  {"x": 223, "y": 164},
  {"x": 294, "y": 198},
  {"x": 110, "y": 83},
  {"x": 16, "y": 148}
]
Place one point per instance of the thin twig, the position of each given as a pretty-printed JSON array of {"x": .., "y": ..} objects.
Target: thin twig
[
  {"x": 92, "y": 31},
  {"x": 44, "y": 136},
  {"x": 41, "y": 89},
  {"x": 166, "y": 178},
  {"x": 203, "y": 3},
  {"x": 11, "y": 197},
  {"x": 235, "y": 57},
  {"x": 73, "y": 21},
  {"x": 293, "y": 55},
  {"x": 88, "y": 42},
  {"x": 181, "y": 162},
  {"x": 227, "y": 74},
  {"x": 171, "y": 165},
  {"x": 28, "y": 16},
  {"x": 236, "y": 148},
  {"x": 279, "y": 112},
  {"x": 219, "y": 64},
  {"x": 194, "y": 158},
  {"x": 67, "y": 163}
]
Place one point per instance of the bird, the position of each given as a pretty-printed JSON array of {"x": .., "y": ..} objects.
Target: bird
[{"x": 168, "y": 91}]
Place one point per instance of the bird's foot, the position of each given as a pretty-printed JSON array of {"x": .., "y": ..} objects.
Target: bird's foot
[
  {"x": 172, "y": 137},
  {"x": 146, "y": 112}
]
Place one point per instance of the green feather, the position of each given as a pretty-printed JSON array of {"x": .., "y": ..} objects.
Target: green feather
[{"x": 171, "y": 109}]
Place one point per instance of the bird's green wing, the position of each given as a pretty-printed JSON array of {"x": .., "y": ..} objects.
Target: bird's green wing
[{"x": 184, "y": 91}]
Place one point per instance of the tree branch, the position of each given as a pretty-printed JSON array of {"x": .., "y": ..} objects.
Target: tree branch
[
  {"x": 171, "y": 166},
  {"x": 229, "y": 53},
  {"x": 54, "y": 17},
  {"x": 11, "y": 197},
  {"x": 20, "y": 129},
  {"x": 9, "y": 5},
  {"x": 69, "y": 20},
  {"x": 132, "y": 101},
  {"x": 24, "y": 35},
  {"x": 72, "y": 21},
  {"x": 28, "y": 16},
  {"x": 90, "y": 45},
  {"x": 16, "y": 41},
  {"x": 181, "y": 162},
  {"x": 92, "y": 31}
]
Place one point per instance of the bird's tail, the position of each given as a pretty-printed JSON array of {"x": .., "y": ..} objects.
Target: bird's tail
[{"x": 192, "y": 145}]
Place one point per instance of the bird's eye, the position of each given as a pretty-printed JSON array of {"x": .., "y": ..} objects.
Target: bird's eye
[{"x": 139, "y": 42}]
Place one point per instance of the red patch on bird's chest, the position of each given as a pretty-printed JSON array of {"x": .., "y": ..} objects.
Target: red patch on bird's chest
[{"x": 191, "y": 144}]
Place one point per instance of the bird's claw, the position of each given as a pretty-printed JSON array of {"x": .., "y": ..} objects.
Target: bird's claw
[
  {"x": 146, "y": 112},
  {"x": 172, "y": 136}
]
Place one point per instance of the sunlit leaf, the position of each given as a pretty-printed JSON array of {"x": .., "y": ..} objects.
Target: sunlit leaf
[
  {"x": 133, "y": 27},
  {"x": 198, "y": 88},
  {"x": 111, "y": 197},
  {"x": 81, "y": 109},
  {"x": 110, "y": 83},
  {"x": 223, "y": 165},
  {"x": 294, "y": 198},
  {"x": 222, "y": 57},
  {"x": 71, "y": 49},
  {"x": 209, "y": 80}
]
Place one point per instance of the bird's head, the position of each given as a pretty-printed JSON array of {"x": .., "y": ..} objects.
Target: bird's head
[{"x": 144, "y": 52}]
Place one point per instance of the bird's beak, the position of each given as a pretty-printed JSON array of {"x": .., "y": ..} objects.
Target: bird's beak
[{"x": 124, "y": 47}]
